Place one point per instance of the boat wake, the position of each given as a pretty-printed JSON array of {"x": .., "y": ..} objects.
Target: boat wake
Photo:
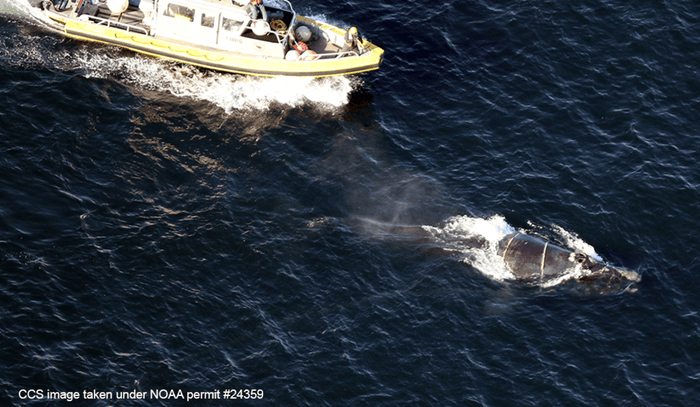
[
  {"x": 228, "y": 91},
  {"x": 37, "y": 48}
]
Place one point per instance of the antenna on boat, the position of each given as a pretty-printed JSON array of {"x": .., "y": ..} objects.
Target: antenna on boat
[{"x": 156, "y": 6}]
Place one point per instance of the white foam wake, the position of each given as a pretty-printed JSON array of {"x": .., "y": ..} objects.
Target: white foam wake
[{"x": 230, "y": 92}]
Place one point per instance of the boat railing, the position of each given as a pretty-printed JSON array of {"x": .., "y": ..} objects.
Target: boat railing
[
  {"x": 343, "y": 54},
  {"x": 116, "y": 24},
  {"x": 281, "y": 36},
  {"x": 329, "y": 55}
]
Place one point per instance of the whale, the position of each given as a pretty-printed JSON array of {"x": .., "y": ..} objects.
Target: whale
[
  {"x": 534, "y": 259},
  {"x": 528, "y": 258}
]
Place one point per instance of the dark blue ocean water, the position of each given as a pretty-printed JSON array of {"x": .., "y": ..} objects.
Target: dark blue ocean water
[{"x": 166, "y": 227}]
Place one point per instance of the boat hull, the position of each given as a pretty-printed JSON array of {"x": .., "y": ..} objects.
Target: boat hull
[{"x": 221, "y": 61}]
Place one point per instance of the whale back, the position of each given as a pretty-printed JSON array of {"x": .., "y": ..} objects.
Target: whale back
[{"x": 533, "y": 258}]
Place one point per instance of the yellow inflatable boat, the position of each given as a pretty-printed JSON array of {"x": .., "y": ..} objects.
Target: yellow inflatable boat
[{"x": 227, "y": 35}]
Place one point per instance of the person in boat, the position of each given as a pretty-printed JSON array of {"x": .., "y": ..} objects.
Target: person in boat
[
  {"x": 352, "y": 39},
  {"x": 254, "y": 7}
]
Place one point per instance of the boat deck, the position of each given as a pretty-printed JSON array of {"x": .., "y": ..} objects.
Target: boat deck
[{"x": 133, "y": 16}]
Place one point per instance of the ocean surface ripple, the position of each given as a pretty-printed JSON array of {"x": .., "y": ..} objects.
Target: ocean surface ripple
[{"x": 168, "y": 227}]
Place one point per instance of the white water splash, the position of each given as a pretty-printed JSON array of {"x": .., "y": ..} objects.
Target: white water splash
[
  {"x": 576, "y": 244},
  {"x": 230, "y": 92},
  {"x": 459, "y": 233},
  {"x": 7, "y": 7},
  {"x": 24, "y": 9}
]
